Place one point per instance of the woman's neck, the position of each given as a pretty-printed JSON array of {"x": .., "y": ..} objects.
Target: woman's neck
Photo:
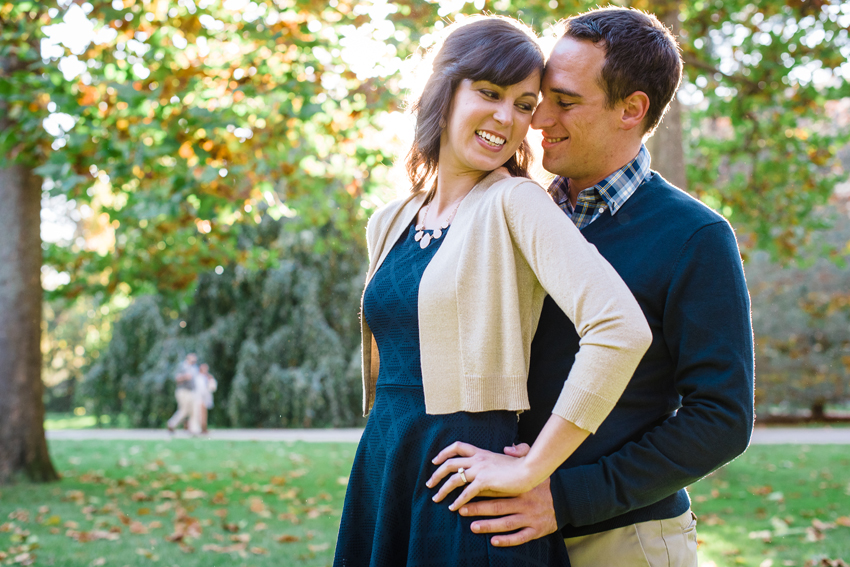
[{"x": 451, "y": 188}]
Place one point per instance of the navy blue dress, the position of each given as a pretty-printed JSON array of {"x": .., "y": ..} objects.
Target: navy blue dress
[{"x": 389, "y": 519}]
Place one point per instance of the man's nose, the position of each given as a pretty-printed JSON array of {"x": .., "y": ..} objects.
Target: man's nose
[{"x": 542, "y": 117}]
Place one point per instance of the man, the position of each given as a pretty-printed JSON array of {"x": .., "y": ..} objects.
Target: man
[
  {"x": 185, "y": 394},
  {"x": 620, "y": 499}
]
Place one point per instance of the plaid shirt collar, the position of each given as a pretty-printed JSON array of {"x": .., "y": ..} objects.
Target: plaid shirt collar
[{"x": 609, "y": 193}]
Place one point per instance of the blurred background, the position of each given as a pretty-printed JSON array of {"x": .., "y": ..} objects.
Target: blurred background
[{"x": 206, "y": 170}]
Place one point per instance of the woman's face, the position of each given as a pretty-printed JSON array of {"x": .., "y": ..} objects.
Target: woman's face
[{"x": 486, "y": 124}]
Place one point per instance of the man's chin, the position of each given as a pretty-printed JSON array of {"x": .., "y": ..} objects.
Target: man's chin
[{"x": 552, "y": 164}]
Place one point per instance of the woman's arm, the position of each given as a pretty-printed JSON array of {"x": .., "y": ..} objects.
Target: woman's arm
[
  {"x": 492, "y": 474},
  {"x": 614, "y": 336}
]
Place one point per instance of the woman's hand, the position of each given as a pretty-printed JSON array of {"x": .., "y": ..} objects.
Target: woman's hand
[{"x": 487, "y": 474}]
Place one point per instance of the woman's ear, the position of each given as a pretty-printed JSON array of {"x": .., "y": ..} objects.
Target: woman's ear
[{"x": 635, "y": 106}]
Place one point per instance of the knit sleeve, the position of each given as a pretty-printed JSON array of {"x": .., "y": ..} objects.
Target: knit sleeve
[
  {"x": 614, "y": 333},
  {"x": 706, "y": 325}
]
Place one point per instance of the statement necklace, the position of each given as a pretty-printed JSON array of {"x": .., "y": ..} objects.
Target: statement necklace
[{"x": 425, "y": 239}]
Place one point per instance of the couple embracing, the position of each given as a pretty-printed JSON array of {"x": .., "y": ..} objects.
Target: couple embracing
[{"x": 545, "y": 372}]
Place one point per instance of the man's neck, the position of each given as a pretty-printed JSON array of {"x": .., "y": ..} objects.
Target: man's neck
[{"x": 578, "y": 185}]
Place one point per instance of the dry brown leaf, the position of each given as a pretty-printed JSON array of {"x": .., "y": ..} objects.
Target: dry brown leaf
[
  {"x": 219, "y": 498},
  {"x": 243, "y": 538},
  {"x": 138, "y": 528},
  {"x": 287, "y": 538},
  {"x": 98, "y": 562},
  {"x": 289, "y": 516},
  {"x": 193, "y": 494},
  {"x": 259, "y": 551},
  {"x": 147, "y": 553},
  {"x": 317, "y": 547},
  {"x": 154, "y": 525},
  {"x": 843, "y": 521},
  {"x": 278, "y": 480},
  {"x": 140, "y": 497}
]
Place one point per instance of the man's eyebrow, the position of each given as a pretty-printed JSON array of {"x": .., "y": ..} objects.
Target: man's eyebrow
[{"x": 565, "y": 92}]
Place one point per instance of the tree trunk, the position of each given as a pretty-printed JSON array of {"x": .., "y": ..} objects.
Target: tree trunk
[
  {"x": 666, "y": 146},
  {"x": 23, "y": 448}
]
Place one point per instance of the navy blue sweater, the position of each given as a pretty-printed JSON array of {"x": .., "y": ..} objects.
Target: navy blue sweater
[{"x": 689, "y": 407}]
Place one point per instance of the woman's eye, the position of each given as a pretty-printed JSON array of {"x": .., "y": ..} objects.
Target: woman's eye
[
  {"x": 525, "y": 107},
  {"x": 490, "y": 94}
]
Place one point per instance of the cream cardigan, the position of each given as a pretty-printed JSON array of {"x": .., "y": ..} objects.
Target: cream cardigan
[{"x": 480, "y": 300}]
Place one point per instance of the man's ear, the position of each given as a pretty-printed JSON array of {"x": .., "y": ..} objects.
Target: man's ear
[{"x": 635, "y": 106}]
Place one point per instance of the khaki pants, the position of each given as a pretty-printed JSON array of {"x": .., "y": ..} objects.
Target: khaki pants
[
  {"x": 185, "y": 408},
  {"x": 657, "y": 543}
]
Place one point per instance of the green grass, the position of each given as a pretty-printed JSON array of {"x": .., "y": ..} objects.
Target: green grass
[
  {"x": 241, "y": 497},
  {"x": 780, "y": 505},
  {"x": 72, "y": 420},
  {"x": 777, "y": 505}
]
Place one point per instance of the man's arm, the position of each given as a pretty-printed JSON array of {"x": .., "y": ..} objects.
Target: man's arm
[{"x": 707, "y": 328}]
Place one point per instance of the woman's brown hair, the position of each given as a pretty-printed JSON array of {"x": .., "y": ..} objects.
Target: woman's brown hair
[{"x": 496, "y": 49}]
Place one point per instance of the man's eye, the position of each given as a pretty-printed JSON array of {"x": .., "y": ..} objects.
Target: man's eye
[{"x": 563, "y": 104}]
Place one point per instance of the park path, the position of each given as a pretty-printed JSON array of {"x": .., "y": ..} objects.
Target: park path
[{"x": 761, "y": 435}]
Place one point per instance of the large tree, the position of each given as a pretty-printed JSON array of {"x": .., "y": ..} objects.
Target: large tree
[{"x": 23, "y": 449}]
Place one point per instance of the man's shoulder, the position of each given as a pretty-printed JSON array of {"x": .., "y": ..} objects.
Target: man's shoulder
[{"x": 676, "y": 205}]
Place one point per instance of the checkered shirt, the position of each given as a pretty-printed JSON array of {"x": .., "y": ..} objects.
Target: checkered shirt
[{"x": 609, "y": 193}]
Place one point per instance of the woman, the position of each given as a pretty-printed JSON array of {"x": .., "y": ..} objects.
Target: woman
[{"x": 456, "y": 281}]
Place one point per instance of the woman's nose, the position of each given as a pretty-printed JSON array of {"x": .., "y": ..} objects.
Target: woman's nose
[{"x": 504, "y": 114}]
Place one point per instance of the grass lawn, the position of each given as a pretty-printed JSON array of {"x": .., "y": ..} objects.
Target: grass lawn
[{"x": 218, "y": 503}]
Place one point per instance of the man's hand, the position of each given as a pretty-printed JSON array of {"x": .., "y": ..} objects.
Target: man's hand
[{"x": 532, "y": 513}]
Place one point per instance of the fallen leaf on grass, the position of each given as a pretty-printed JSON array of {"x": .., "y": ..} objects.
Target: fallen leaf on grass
[
  {"x": 711, "y": 520},
  {"x": 763, "y": 535},
  {"x": 235, "y": 548},
  {"x": 148, "y": 554},
  {"x": 260, "y": 526},
  {"x": 259, "y": 551},
  {"x": 98, "y": 562},
  {"x": 20, "y": 515},
  {"x": 154, "y": 525},
  {"x": 193, "y": 494},
  {"x": 286, "y": 538},
  {"x": 7, "y": 527},
  {"x": 52, "y": 521},
  {"x": 137, "y": 528},
  {"x": 243, "y": 538},
  {"x": 316, "y": 548},
  {"x": 140, "y": 497},
  {"x": 843, "y": 521},
  {"x": 219, "y": 498},
  {"x": 289, "y": 516},
  {"x": 23, "y": 559},
  {"x": 94, "y": 535},
  {"x": 342, "y": 481}
]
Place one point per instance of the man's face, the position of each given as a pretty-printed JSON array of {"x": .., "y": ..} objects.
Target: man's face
[
  {"x": 191, "y": 358},
  {"x": 580, "y": 132}
]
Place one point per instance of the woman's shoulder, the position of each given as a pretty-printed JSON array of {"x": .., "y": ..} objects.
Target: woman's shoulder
[
  {"x": 519, "y": 191},
  {"x": 382, "y": 218}
]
